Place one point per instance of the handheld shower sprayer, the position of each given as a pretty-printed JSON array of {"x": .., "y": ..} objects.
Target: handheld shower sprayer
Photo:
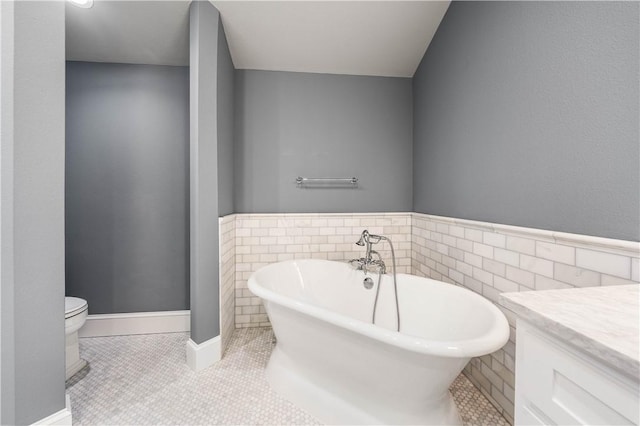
[
  {"x": 370, "y": 239},
  {"x": 364, "y": 238}
]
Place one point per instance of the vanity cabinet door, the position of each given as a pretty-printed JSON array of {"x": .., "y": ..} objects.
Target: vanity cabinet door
[{"x": 557, "y": 384}]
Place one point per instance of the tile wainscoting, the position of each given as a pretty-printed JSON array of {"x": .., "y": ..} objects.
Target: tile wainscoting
[
  {"x": 490, "y": 259},
  {"x": 486, "y": 258},
  {"x": 227, "y": 241},
  {"x": 266, "y": 238}
]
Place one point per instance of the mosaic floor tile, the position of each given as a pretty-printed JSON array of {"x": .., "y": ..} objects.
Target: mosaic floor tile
[
  {"x": 473, "y": 407},
  {"x": 144, "y": 380}
]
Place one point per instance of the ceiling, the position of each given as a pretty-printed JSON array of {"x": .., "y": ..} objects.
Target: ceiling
[
  {"x": 381, "y": 38},
  {"x": 130, "y": 32}
]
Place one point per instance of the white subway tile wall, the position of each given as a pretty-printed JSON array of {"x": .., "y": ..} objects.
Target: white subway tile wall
[
  {"x": 491, "y": 259},
  {"x": 266, "y": 238},
  {"x": 227, "y": 226}
]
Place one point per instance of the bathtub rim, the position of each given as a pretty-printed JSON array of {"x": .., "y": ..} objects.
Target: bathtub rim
[{"x": 487, "y": 343}]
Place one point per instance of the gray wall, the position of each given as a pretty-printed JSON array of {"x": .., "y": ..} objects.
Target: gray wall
[
  {"x": 225, "y": 121},
  {"x": 526, "y": 113},
  {"x": 7, "y": 332},
  {"x": 321, "y": 125},
  {"x": 32, "y": 211},
  {"x": 127, "y": 187},
  {"x": 203, "y": 59}
]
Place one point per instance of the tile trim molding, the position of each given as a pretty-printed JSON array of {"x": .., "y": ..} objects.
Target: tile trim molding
[
  {"x": 314, "y": 215},
  {"x": 538, "y": 234},
  {"x": 136, "y": 323},
  {"x": 60, "y": 418},
  {"x": 205, "y": 354},
  {"x": 579, "y": 240}
]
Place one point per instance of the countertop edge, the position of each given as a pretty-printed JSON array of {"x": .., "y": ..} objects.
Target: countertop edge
[{"x": 620, "y": 362}]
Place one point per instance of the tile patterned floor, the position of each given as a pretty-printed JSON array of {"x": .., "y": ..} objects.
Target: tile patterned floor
[{"x": 143, "y": 380}]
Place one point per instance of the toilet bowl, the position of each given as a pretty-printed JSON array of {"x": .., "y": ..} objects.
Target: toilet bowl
[{"x": 75, "y": 314}]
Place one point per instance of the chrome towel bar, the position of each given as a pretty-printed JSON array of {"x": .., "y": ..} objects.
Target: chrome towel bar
[{"x": 328, "y": 181}]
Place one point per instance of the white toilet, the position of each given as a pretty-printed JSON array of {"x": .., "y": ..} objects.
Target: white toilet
[{"x": 75, "y": 314}]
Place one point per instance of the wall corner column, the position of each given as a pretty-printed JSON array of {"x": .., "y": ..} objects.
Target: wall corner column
[
  {"x": 203, "y": 348},
  {"x": 32, "y": 117}
]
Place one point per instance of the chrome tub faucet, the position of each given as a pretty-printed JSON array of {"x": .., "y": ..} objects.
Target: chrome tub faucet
[{"x": 367, "y": 261}]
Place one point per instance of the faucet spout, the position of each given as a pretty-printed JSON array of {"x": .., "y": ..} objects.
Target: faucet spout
[{"x": 365, "y": 238}]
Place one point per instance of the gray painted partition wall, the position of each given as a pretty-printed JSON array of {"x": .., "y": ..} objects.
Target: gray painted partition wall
[
  {"x": 225, "y": 121},
  {"x": 127, "y": 186},
  {"x": 32, "y": 211},
  {"x": 211, "y": 91},
  {"x": 526, "y": 113},
  {"x": 321, "y": 125}
]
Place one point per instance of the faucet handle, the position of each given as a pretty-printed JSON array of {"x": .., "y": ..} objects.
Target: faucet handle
[
  {"x": 381, "y": 265},
  {"x": 359, "y": 264}
]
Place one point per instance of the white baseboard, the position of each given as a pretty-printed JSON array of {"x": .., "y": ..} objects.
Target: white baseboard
[
  {"x": 60, "y": 418},
  {"x": 205, "y": 354},
  {"x": 136, "y": 323}
]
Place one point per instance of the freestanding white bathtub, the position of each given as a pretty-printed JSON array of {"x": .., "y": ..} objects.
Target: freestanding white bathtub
[{"x": 331, "y": 361}]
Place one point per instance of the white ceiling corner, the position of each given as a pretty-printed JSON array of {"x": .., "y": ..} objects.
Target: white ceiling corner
[
  {"x": 134, "y": 32},
  {"x": 380, "y": 38}
]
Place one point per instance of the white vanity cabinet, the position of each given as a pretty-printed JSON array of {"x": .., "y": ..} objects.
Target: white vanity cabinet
[
  {"x": 558, "y": 384},
  {"x": 577, "y": 355}
]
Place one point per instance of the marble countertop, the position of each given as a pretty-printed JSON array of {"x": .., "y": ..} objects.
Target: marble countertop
[{"x": 602, "y": 321}]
